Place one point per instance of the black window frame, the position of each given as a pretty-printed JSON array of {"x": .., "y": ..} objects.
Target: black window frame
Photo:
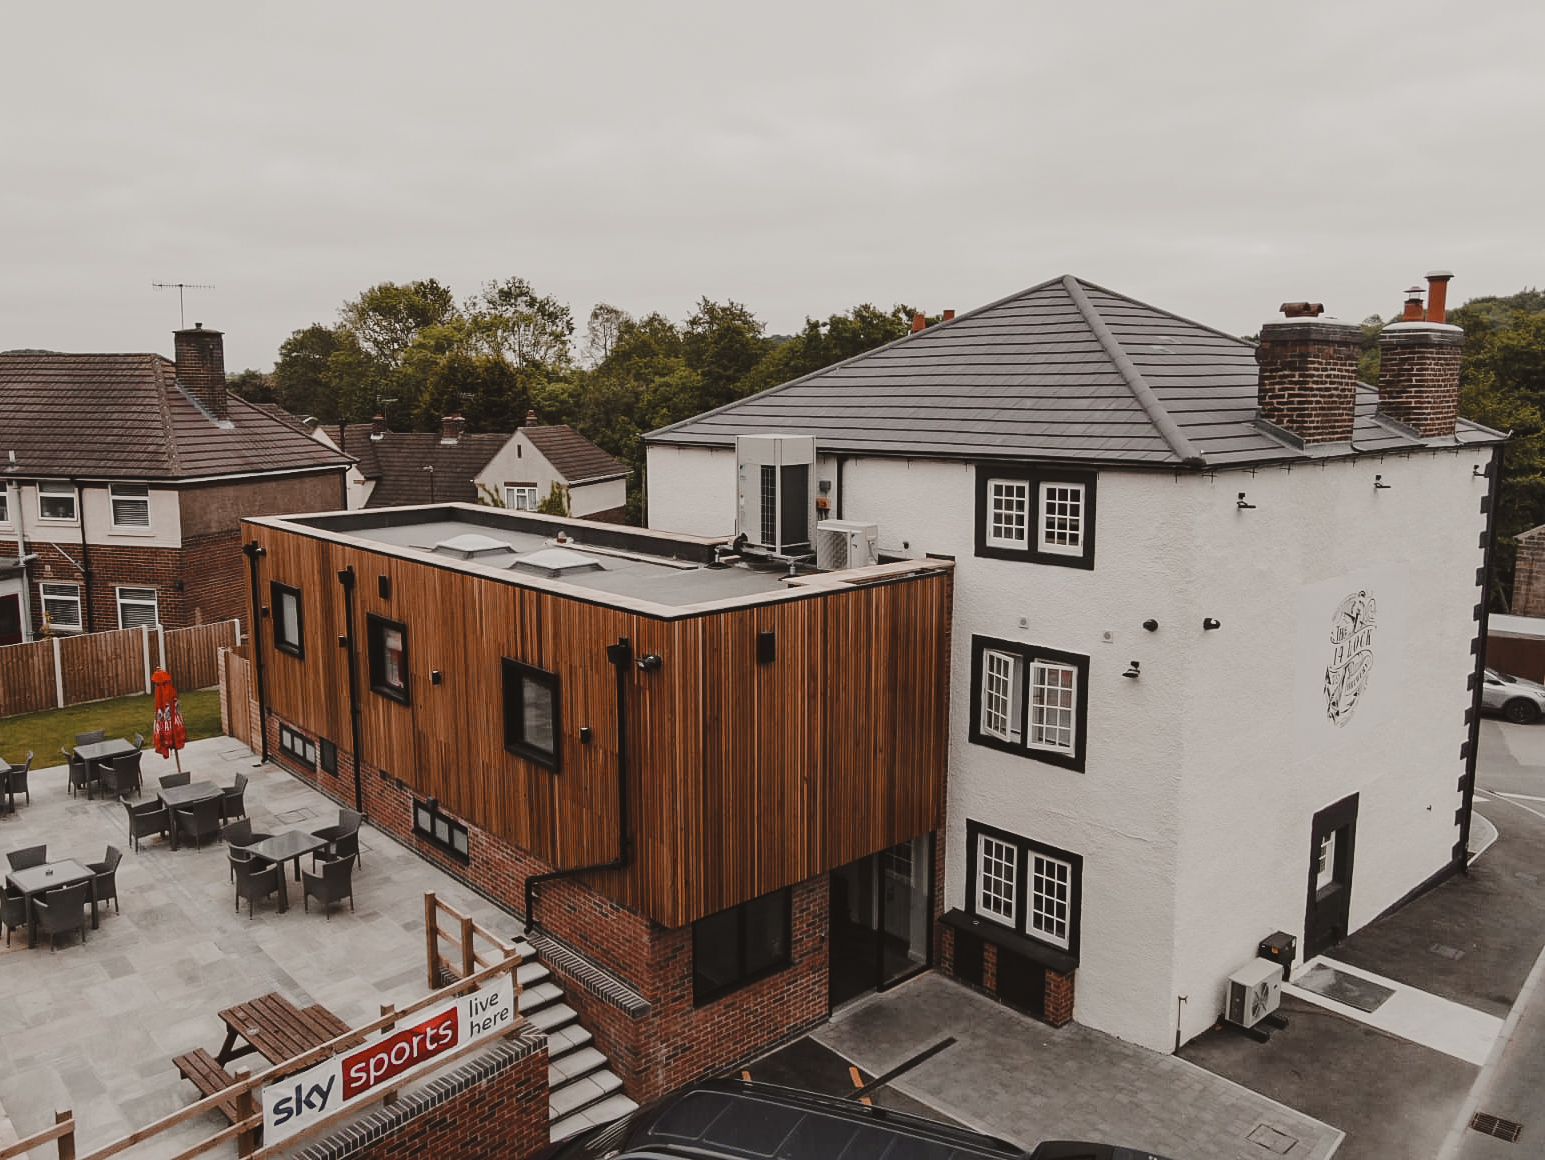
[
  {"x": 1026, "y": 849},
  {"x": 706, "y": 927},
  {"x": 297, "y": 746},
  {"x": 327, "y": 756},
  {"x": 276, "y": 619},
  {"x": 1035, "y": 476},
  {"x": 375, "y": 629},
  {"x": 431, "y": 810},
  {"x": 515, "y": 674},
  {"x": 1028, "y": 654}
]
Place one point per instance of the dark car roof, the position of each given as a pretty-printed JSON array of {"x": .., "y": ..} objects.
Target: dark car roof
[{"x": 745, "y": 1121}]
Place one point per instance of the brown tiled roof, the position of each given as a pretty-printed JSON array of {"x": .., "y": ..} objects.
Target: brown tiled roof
[
  {"x": 398, "y": 460},
  {"x": 573, "y": 456},
  {"x": 122, "y": 416}
]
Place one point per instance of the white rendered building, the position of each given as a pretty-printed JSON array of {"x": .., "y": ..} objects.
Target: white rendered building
[{"x": 1214, "y": 633}]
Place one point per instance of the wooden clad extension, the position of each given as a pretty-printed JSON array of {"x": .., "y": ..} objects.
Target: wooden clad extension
[{"x": 743, "y": 777}]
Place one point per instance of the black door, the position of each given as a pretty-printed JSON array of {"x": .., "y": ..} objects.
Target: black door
[
  {"x": 881, "y": 915},
  {"x": 10, "y": 619},
  {"x": 1333, "y": 839}
]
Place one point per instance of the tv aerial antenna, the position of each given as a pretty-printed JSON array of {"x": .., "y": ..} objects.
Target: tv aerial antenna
[{"x": 180, "y": 287}]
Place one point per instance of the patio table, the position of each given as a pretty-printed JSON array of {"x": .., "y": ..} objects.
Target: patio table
[
  {"x": 35, "y": 880},
  {"x": 98, "y": 751},
  {"x": 276, "y": 1029},
  {"x": 282, "y": 847},
  {"x": 179, "y": 796}
]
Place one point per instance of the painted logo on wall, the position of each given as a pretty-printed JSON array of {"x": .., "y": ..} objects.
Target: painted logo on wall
[{"x": 1351, "y": 658}]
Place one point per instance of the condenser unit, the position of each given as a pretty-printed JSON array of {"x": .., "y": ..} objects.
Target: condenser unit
[
  {"x": 1254, "y": 991},
  {"x": 773, "y": 507},
  {"x": 843, "y": 544}
]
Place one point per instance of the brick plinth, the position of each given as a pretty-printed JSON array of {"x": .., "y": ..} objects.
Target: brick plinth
[
  {"x": 1059, "y": 997},
  {"x": 1529, "y": 575},
  {"x": 1308, "y": 377},
  {"x": 1419, "y": 376}
]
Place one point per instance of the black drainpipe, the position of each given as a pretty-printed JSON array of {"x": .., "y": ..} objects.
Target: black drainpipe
[
  {"x": 253, "y": 550},
  {"x": 346, "y": 578},
  {"x": 621, "y": 657}
]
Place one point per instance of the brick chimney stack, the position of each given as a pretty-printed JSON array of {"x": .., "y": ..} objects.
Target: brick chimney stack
[
  {"x": 451, "y": 427},
  {"x": 532, "y": 420},
  {"x": 1308, "y": 373},
  {"x": 201, "y": 367},
  {"x": 378, "y": 426},
  {"x": 1419, "y": 366},
  {"x": 948, "y": 316},
  {"x": 918, "y": 323}
]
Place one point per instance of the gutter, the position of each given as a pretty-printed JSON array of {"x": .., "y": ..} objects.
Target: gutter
[{"x": 621, "y": 657}]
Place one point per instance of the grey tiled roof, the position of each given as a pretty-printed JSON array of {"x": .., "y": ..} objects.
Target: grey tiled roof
[
  {"x": 122, "y": 416},
  {"x": 1062, "y": 371}
]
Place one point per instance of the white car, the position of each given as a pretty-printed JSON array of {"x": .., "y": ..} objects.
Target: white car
[{"x": 1520, "y": 701}]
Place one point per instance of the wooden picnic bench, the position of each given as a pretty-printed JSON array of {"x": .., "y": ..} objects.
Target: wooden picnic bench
[
  {"x": 209, "y": 1077},
  {"x": 276, "y": 1029}
]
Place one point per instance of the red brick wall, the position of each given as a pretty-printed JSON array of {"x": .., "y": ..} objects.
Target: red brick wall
[
  {"x": 1308, "y": 377},
  {"x": 1419, "y": 376},
  {"x": 1529, "y": 576}
]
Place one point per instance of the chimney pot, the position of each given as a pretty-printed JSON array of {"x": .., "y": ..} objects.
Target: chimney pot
[
  {"x": 451, "y": 427},
  {"x": 200, "y": 356},
  {"x": 1302, "y": 309},
  {"x": 1437, "y": 295},
  {"x": 948, "y": 315},
  {"x": 1413, "y": 307},
  {"x": 918, "y": 323}
]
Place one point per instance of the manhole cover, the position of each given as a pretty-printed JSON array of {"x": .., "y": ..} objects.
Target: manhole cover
[
  {"x": 1447, "y": 952},
  {"x": 1271, "y": 1139},
  {"x": 1496, "y": 1126},
  {"x": 1353, "y": 990}
]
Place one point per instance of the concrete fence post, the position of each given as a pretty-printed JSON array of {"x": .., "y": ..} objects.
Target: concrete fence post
[
  {"x": 58, "y": 674},
  {"x": 144, "y": 651},
  {"x": 161, "y": 645}
]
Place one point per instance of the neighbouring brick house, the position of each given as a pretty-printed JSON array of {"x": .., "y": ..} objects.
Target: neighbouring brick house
[
  {"x": 1215, "y": 624},
  {"x": 123, "y": 478},
  {"x": 516, "y": 471}
]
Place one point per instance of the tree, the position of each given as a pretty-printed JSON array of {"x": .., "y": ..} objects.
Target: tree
[
  {"x": 254, "y": 386},
  {"x": 721, "y": 342},
  {"x": 305, "y": 381},
  {"x": 513, "y": 322},
  {"x": 602, "y": 331},
  {"x": 386, "y": 319}
]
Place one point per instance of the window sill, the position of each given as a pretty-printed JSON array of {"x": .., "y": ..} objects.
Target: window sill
[{"x": 1037, "y": 952}]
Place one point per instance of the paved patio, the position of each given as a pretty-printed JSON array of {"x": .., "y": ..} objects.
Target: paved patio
[{"x": 94, "y": 1027}]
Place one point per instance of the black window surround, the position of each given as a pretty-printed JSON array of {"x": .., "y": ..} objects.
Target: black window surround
[
  {"x": 440, "y": 830},
  {"x": 329, "y": 756},
  {"x": 1022, "y": 928},
  {"x": 388, "y": 641},
  {"x": 736, "y": 947},
  {"x": 1027, "y": 655},
  {"x": 298, "y": 746},
  {"x": 289, "y": 634},
  {"x": 1033, "y": 549},
  {"x": 531, "y": 716}
]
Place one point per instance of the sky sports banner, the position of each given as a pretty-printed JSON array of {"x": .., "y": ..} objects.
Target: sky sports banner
[{"x": 300, "y": 1101}]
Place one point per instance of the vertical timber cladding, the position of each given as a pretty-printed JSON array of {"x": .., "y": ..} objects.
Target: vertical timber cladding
[{"x": 743, "y": 777}]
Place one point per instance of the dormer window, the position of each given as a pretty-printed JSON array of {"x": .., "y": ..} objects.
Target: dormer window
[{"x": 1040, "y": 515}]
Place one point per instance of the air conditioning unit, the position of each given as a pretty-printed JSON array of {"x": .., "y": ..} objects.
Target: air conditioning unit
[
  {"x": 772, "y": 506},
  {"x": 1254, "y": 991},
  {"x": 843, "y": 544}
]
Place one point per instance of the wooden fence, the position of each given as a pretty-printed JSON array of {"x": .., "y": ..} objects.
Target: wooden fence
[
  {"x": 70, "y": 670},
  {"x": 238, "y": 706}
]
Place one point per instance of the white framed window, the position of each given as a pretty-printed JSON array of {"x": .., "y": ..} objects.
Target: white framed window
[
  {"x": 1008, "y": 513},
  {"x": 1029, "y": 700},
  {"x": 1053, "y": 706},
  {"x": 61, "y": 604},
  {"x": 1062, "y": 518},
  {"x": 130, "y": 503},
  {"x": 520, "y": 497},
  {"x": 1325, "y": 865},
  {"x": 5, "y": 502},
  {"x": 137, "y": 607},
  {"x": 1051, "y": 882},
  {"x": 56, "y": 501},
  {"x": 997, "y": 880}
]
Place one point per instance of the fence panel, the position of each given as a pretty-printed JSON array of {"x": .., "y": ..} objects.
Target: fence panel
[
  {"x": 236, "y": 708},
  {"x": 193, "y": 654},
  {"x": 102, "y": 665},
  {"x": 27, "y": 678}
]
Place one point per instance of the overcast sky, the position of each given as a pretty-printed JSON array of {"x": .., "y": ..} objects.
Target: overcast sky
[{"x": 1214, "y": 159}]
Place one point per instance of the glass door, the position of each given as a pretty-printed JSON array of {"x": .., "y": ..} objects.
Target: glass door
[{"x": 880, "y": 925}]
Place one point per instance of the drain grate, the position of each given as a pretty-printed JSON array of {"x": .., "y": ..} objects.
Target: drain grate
[
  {"x": 1496, "y": 1126},
  {"x": 1447, "y": 952}
]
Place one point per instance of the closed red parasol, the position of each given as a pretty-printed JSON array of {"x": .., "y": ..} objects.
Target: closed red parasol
[{"x": 167, "y": 732}]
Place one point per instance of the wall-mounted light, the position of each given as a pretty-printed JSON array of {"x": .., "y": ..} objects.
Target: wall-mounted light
[
  {"x": 1243, "y": 506},
  {"x": 264, "y": 612},
  {"x": 1133, "y": 671},
  {"x": 584, "y": 735},
  {"x": 384, "y": 587},
  {"x": 766, "y": 648},
  {"x": 434, "y": 676},
  {"x": 1151, "y": 625},
  {"x": 649, "y": 663},
  {"x": 343, "y": 640},
  {"x": 1208, "y": 623},
  {"x": 1477, "y": 472},
  {"x": 1379, "y": 484}
]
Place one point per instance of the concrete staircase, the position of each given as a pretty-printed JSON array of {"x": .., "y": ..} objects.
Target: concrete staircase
[{"x": 582, "y": 1090}]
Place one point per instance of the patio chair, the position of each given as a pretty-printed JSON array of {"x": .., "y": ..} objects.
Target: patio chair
[
  {"x": 233, "y": 799},
  {"x": 90, "y": 738},
  {"x": 342, "y": 839},
  {"x": 15, "y": 780},
  {"x": 255, "y": 882},
  {"x": 28, "y": 856},
  {"x": 239, "y": 836},
  {"x": 13, "y": 911},
  {"x": 80, "y": 772},
  {"x": 148, "y": 819},
  {"x": 105, "y": 884},
  {"x": 63, "y": 910},
  {"x": 139, "y": 741},
  {"x": 199, "y": 820},
  {"x": 172, "y": 780},
  {"x": 333, "y": 884},
  {"x": 122, "y": 776}
]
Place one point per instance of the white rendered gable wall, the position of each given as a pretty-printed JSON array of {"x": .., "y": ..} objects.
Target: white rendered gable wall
[{"x": 1203, "y": 775}]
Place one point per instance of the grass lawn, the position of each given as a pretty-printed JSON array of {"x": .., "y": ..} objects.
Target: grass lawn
[{"x": 45, "y": 732}]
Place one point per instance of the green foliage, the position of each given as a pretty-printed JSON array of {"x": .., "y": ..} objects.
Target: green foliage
[
  {"x": 1368, "y": 351},
  {"x": 555, "y": 502},
  {"x": 254, "y": 386}
]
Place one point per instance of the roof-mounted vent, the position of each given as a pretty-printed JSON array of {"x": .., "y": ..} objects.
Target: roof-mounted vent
[
  {"x": 556, "y": 563},
  {"x": 470, "y": 545}
]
